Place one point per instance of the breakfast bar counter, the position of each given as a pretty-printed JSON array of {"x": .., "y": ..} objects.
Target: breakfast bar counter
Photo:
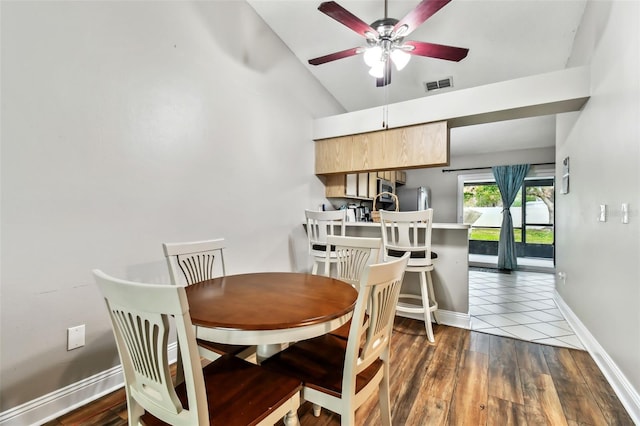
[{"x": 451, "y": 273}]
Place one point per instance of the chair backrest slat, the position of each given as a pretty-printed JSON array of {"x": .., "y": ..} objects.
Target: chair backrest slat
[
  {"x": 196, "y": 261},
  {"x": 353, "y": 255}
]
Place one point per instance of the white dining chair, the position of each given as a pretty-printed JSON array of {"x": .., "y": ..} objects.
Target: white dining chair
[
  {"x": 321, "y": 224},
  {"x": 196, "y": 261},
  {"x": 352, "y": 256},
  {"x": 228, "y": 391},
  {"x": 411, "y": 232},
  {"x": 340, "y": 375}
]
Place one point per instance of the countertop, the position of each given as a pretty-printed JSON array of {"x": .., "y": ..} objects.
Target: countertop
[{"x": 446, "y": 225}]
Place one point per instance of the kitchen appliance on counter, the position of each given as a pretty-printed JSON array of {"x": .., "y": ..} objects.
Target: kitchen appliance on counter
[
  {"x": 351, "y": 213},
  {"x": 414, "y": 198},
  {"x": 363, "y": 214},
  {"x": 358, "y": 213}
]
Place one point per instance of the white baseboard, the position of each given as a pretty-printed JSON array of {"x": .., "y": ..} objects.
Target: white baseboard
[
  {"x": 62, "y": 401},
  {"x": 453, "y": 319},
  {"x": 625, "y": 391},
  {"x": 57, "y": 403}
]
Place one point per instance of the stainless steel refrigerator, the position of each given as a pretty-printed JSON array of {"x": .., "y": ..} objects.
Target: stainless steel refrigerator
[{"x": 413, "y": 198}]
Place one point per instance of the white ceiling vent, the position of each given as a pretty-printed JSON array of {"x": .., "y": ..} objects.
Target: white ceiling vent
[{"x": 430, "y": 86}]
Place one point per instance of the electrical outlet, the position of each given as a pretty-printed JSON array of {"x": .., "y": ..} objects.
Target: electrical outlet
[{"x": 75, "y": 337}]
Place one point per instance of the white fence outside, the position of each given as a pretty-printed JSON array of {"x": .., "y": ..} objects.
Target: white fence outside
[{"x": 491, "y": 217}]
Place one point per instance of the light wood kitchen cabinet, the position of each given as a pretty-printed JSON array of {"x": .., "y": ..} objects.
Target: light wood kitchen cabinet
[
  {"x": 373, "y": 184},
  {"x": 360, "y": 186},
  {"x": 424, "y": 145},
  {"x": 335, "y": 186},
  {"x": 336, "y": 151},
  {"x": 351, "y": 188},
  {"x": 353, "y": 185},
  {"x": 362, "y": 155},
  {"x": 363, "y": 185}
]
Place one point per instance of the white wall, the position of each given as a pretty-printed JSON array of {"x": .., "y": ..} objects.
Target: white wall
[
  {"x": 601, "y": 259},
  {"x": 125, "y": 125}
]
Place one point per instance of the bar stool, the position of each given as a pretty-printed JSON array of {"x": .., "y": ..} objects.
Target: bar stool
[
  {"x": 320, "y": 224},
  {"x": 411, "y": 232}
]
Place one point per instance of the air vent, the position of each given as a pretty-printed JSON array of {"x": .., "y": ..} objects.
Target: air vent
[{"x": 430, "y": 86}]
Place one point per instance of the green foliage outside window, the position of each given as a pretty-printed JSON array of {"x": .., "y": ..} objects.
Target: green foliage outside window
[
  {"x": 484, "y": 194},
  {"x": 534, "y": 236}
]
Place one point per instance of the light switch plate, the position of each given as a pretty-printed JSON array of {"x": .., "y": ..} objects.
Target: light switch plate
[
  {"x": 625, "y": 213},
  {"x": 603, "y": 213}
]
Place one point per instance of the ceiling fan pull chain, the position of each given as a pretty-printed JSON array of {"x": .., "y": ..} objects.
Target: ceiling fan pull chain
[
  {"x": 384, "y": 114},
  {"x": 385, "y": 109}
]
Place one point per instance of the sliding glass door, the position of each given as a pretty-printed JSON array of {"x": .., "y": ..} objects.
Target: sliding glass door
[
  {"x": 533, "y": 218},
  {"x": 538, "y": 236}
]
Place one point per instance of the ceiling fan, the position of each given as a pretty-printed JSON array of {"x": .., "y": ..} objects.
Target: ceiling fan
[{"x": 386, "y": 39}]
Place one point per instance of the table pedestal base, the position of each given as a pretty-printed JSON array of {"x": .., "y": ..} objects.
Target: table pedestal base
[{"x": 265, "y": 351}]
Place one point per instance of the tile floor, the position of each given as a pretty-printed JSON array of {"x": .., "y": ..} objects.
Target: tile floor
[{"x": 518, "y": 305}]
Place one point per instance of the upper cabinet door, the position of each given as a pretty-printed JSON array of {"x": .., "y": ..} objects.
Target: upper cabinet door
[{"x": 424, "y": 145}]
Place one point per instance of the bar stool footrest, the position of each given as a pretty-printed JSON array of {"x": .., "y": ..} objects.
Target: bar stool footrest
[{"x": 412, "y": 308}]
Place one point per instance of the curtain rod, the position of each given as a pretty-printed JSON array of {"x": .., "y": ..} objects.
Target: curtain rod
[{"x": 485, "y": 168}]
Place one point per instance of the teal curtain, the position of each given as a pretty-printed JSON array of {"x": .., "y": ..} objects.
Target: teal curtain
[{"x": 509, "y": 180}]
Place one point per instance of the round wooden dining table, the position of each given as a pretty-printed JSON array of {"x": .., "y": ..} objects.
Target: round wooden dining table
[{"x": 268, "y": 309}]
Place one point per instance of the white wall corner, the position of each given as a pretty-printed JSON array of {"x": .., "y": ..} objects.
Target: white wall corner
[{"x": 625, "y": 391}]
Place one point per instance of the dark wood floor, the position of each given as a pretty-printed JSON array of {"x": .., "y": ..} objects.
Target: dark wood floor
[{"x": 465, "y": 378}]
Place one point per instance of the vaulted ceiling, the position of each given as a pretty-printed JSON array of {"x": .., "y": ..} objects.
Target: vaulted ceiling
[{"x": 506, "y": 39}]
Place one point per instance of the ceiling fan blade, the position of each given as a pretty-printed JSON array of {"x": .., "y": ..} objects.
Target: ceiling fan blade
[
  {"x": 439, "y": 51},
  {"x": 335, "y": 56},
  {"x": 386, "y": 78},
  {"x": 417, "y": 16},
  {"x": 342, "y": 15}
]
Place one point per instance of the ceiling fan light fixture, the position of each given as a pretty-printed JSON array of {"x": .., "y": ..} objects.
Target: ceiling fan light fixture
[
  {"x": 400, "y": 58},
  {"x": 373, "y": 56},
  {"x": 377, "y": 70}
]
